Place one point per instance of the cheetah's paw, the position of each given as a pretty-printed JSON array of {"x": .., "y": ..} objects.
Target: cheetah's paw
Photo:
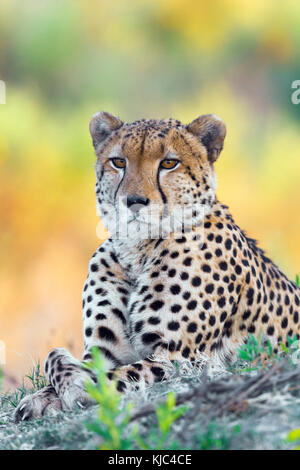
[
  {"x": 74, "y": 394},
  {"x": 43, "y": 402}
]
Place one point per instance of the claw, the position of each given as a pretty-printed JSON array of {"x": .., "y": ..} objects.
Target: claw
[
  {"x": 25, "y": 416},
  {"x": 36, "y": 405}
]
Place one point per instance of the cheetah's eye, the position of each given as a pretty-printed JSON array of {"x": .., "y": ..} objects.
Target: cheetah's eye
[
  {"x": 169, "y": 164},
  {"x": 118, "y": 162}
]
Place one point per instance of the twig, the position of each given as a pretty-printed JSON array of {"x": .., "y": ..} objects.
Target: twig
[{"x": 212, "y": 391}]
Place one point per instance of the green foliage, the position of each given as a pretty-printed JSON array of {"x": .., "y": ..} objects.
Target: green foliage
[
  {"x": 258, "y": 353},
  {"x": 15, "y": 398},
  {"x": 113, "y": 423},
  {"x": 254, "y": 348},
  {"x": 166, "y": 414},
  {"x": 294, "y": 437},
  {"x": 291, "y": 340},
  {"x": 216, "y": 438},
  {"x": 297, "y": 280},
  {"x": 37, "y": 380}
]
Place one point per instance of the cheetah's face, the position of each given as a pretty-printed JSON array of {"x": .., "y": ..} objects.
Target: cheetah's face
[{"x": 155, "y": 177}]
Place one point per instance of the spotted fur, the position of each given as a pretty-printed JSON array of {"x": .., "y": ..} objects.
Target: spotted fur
[{"x": 201, "y": 287}]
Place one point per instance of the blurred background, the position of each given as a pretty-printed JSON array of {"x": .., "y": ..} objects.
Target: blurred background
[{"x": 63, "y": 60}]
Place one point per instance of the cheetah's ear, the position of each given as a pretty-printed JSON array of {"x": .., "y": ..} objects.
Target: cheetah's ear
[
  {"x": 102, "y": 125},
  {"x": 211, "y": 130}
]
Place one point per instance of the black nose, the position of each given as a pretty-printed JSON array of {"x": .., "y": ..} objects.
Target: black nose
[{"x": 135, "y": 199}]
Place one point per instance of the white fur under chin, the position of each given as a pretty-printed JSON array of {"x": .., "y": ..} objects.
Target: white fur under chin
[{"x": 144, "y": 227}]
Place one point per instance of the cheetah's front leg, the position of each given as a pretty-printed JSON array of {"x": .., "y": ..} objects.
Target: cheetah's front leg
[
  {"x": 105, "y": 322},
  {"x": 105, "y": 298}
]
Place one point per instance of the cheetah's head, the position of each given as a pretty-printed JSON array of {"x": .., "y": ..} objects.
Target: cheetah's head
[{"x": 155, "y": 177}]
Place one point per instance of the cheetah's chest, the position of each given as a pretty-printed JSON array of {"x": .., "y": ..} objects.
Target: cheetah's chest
[{"x": 133, "y": 256}]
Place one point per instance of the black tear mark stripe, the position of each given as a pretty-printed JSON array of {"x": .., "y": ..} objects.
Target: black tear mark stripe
[
  {"x": 115, "y": 197},
  {"x": 163, "y": 196}
]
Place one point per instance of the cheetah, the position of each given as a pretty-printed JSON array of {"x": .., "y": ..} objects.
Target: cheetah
[{"x": 173, "y": 287}]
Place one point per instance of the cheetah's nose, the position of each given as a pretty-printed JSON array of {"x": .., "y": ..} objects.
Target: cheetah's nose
[{"x": 134, "y": 201}]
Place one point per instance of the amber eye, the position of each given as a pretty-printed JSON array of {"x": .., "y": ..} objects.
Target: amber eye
[
  {"x": 119, "y": 162},
  {"x": 168, "y": 164}
]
